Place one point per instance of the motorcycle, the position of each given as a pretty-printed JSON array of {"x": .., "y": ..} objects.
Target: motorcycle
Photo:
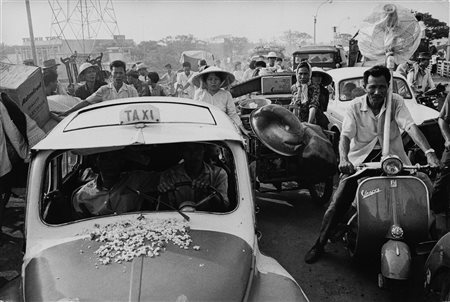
[
  {"x": 275, "y": 158},
  {"x": 433, "y": 98},
  {"x": 392, "y": 217}
]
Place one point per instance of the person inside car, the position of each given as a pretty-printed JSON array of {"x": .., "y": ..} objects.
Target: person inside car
[
  {"x": 347, "y": 91},
  {"x": 194, "y": 169},
  {"x": 361, "y": 140},
  {"x": 111, "y": 190}
]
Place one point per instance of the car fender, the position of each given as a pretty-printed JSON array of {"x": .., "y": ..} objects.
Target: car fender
[{"x": 272, "y": 282}]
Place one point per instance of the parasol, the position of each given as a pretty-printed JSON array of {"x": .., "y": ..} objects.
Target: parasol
[
  {"x": 389, "y": 29},
  {"x": 390, "y": 33}
]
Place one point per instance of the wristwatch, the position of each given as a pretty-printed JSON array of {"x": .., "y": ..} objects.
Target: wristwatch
[{"x": 429, "y": 151}]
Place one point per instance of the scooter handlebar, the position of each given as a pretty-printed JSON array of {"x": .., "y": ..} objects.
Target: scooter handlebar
[{"x": 417, "y": 167}]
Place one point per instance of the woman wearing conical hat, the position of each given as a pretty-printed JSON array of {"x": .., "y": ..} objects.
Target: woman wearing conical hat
[
  {"x": 211, "y": 82},
  {"x": 88, "y": 75}
]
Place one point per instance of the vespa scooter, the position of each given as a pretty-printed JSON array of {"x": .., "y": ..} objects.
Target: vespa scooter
[
  {"x": 392, "y": 209},
  {"x": 392, "y": 217}
]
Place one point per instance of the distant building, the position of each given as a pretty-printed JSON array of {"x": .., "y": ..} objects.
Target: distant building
[{"x": 56, "y": 48}]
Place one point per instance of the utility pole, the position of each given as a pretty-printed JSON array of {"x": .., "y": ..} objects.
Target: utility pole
[
  {"x": 30, "y": 28},
  {"x": 448, "y": 37},
  {"x": 315, "y": 17}
]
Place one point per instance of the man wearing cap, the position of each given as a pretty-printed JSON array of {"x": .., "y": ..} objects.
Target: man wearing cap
[
  {"x": 184, "y": 87},
  {"x": 88, "y": 75},
  {"x": 52, "y": 65},
  {"x": 143, "y": 72},
  {"x": 115, "y": 90},
  {"x": 168, "y": 80},
  {"x": 419, "y": 76},
  {"x": 272, "y": 57}
]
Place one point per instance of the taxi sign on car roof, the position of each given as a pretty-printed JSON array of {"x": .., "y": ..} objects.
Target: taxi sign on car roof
[{"x": 139, "y": 113}]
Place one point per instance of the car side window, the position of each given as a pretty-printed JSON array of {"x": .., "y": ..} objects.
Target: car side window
[
  {"x": 55, "y": 207},
  {"x": 350, "y": 89},
  {"x": 401, "y": 87}
]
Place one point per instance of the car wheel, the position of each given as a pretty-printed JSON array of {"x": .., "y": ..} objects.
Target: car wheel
[
  {"x": 445, "y": 288},
  {"x": 321, "y": 192}
]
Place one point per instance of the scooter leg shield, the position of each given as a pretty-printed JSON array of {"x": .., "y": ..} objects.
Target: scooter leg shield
[{"x": 395, "y": 260}]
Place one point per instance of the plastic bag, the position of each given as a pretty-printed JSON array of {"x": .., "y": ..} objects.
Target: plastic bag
[{"x": 390, "y": 28}]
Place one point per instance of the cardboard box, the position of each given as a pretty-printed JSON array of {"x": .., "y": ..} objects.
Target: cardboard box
[{"x": 24, "y": 85}]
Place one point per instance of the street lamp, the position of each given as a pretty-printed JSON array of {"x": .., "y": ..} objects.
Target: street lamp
[{"x": 315, "y": 17}]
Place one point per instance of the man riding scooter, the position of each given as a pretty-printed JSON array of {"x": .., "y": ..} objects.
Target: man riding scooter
[
  {"x": 419, "y": 76},
  {"x": 361, "y": 141}
]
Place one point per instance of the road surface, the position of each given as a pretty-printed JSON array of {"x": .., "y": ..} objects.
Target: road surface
[{"x": 288, "y": 232}]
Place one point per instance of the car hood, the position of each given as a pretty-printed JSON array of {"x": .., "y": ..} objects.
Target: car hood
[
  {"x": 421, "y": 113},
  {"x": 219, "y": 270}
]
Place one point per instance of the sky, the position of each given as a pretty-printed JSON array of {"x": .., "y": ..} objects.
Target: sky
[{"x": 143, "y": 20}]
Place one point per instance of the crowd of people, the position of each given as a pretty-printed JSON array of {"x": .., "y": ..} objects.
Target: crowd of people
[{"x": 210, "y": 84}]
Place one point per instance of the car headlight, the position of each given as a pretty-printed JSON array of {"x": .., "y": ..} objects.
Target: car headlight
[
  {"x": 396, "y": 232},
  {"x": 392, "y": 165}
]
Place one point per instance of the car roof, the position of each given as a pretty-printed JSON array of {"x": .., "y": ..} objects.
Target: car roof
[
  {"x": 351, "y": 72},
  {"x": 318, "y": 48},
  {"x": 100, "y": 125}
]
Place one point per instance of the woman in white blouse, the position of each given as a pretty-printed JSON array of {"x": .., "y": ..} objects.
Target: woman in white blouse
[{"x": 211, "y": 82}]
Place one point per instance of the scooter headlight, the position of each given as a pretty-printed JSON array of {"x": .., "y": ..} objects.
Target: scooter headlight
[
  {"x": 396, "y": 232},
  {"x": 392, "y": 165}
]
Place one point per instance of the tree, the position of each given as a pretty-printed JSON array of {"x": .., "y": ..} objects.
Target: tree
[
  {"x": 295, "y": 39},
  {"x": 343, "y": 39},
  {"x": 435, "y": 29}
]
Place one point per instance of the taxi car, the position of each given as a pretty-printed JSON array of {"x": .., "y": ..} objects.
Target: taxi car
[
  {"x": 348, "y": 83},
  {"x": 145, "y": 252},
  {"x": 437, "y": 269}
]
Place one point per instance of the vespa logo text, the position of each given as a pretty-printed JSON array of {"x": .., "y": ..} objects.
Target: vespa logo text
[{"x": 366, "y": 194}]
